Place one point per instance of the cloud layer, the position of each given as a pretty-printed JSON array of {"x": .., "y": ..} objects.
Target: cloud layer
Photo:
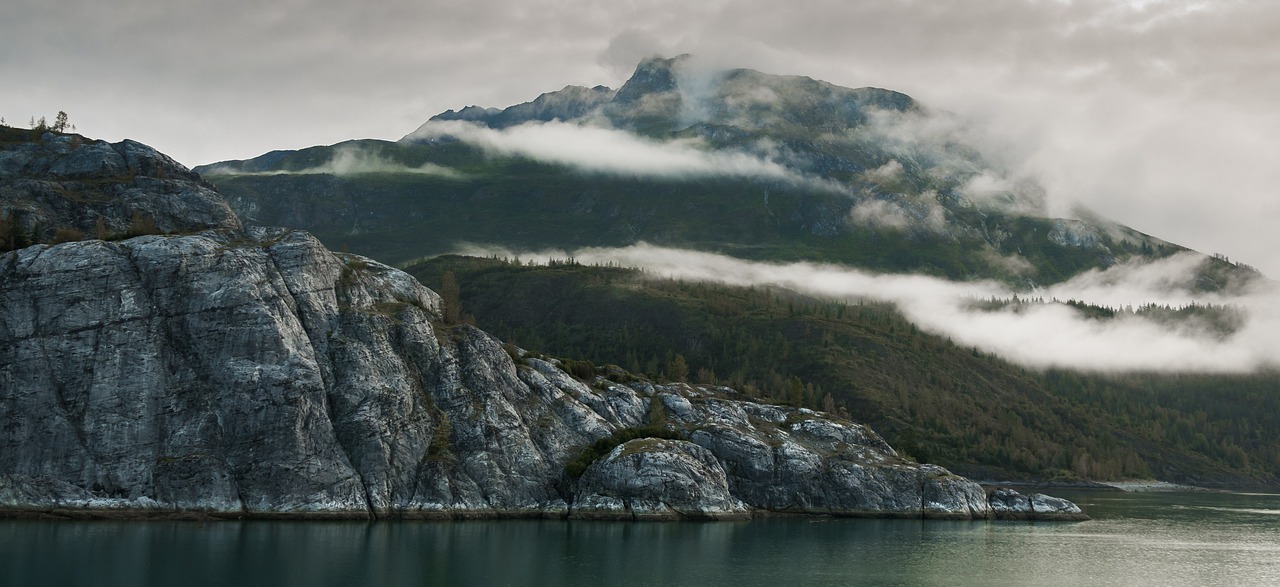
[
  {"x": 1157, "y": 113},
  {"x": 349, "y": 160},
  {"x": 604, "y": 150},
  {"x": 1034, "y": 335}
]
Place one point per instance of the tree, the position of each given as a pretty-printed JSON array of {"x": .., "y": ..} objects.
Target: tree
[
  {"x": 100, "y": 231},
  {"x": 7, "y": 240},
  {"x": 678, "y": 369},
  {"x": 450, "y": 298},
  {"x": 140, "y": 225},
  {"x": 60, "y": 122},
  {"x": 795, "y": 392}
]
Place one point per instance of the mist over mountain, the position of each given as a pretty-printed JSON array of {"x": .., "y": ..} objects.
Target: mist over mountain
[
  {"x": 769, "y": 169},
  {"x": 190, "y": 366}
]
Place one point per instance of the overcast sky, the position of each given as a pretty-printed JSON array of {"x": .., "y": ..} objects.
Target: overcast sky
[{"x": 1161, "y": 114}]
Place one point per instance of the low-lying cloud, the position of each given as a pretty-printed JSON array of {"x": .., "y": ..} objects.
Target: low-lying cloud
[
  {"x": 1034, "y": 335},
  {"x": 611, "y": 151},
  {"x": 348, "y": 161},
  {"x": 991, "y": 171}
]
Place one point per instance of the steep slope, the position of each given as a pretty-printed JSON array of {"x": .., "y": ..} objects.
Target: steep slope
[
  {"x": 936, "y": 400},
  {"x": 750, "y": 164},
  {"x": 252, "y": 372},
  {"x": 64, "y": 186}
]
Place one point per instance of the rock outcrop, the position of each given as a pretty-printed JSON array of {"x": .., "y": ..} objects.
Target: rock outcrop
[
  {"x": 1011, "y": 505},
  {"x": 252, "y": 372},
  {"x": 655, "y": 478},
  {"x": 99, "y": 189}
]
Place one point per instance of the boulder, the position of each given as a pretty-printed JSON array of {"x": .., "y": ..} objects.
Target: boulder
[{"x": 654, "y": 478}]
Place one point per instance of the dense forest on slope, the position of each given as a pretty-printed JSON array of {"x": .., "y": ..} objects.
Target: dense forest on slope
[
  {"x": 739, "y": 162},
  {"x": 527, "y": 205},
  {"x": 939, "y": 402}
]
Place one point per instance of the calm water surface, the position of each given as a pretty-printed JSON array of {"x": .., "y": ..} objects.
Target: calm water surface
[{"x": 1134, "y": 539}]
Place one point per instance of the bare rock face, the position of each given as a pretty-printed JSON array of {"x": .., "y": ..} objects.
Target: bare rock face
[
  {"x": 256, "y": 373},
  {"x": 1011, "y": 505},
  {"x": 101, "y": 189},
  {"x": 654, "y": 478},
  {"x": 251, "y": 372},
  {"x": 791, "y": 460}
]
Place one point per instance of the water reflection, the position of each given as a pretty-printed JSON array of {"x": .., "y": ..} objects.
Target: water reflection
[{"x": 1211, "y": 539}]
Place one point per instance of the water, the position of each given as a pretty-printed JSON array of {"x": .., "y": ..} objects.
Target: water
[{"x": 1134, "y": 539}]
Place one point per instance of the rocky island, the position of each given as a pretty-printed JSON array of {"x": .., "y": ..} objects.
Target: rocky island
[{"x": 215, "y": 370}]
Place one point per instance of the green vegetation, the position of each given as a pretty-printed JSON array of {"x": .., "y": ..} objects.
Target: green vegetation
[
  {"x": 527, "y": 205},
  {"x": 14, "y": 233},
  {"x": 1211, "y": 319},
  {"x": 932, "y": 399},
  {"x": 10, "y": 134}
]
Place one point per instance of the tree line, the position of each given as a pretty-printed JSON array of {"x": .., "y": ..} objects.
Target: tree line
[{"x": 934, "y": 399}]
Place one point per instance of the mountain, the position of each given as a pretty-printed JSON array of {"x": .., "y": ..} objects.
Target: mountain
[
  {"x": 937, "y": 400},
  {"x": 740, "y": 162},
  {"x": 226, "y": 371}
]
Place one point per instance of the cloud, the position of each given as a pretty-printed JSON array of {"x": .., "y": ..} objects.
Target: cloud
[
  {"x": 628, "y": 48},
  {"x": 604, "y": 150},
  {"x": 349, "y": 160},
  {"x": 921, "y": 212},
  {"x": 880, "y": 213},
  {"x": 1033, "y": 335},
  {"x": 1158, "y": 114},
  {"x": 887, "y": 173},
  {"x": 990, "y": 169}
]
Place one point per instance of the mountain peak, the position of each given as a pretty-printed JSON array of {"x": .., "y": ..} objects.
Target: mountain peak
[
  {"x": 654, "y": 75},
  {"x": 673, "y": 94}
]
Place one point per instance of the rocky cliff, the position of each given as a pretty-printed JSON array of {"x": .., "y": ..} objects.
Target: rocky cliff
[
  {"x": 251, "y": 372},
  {"x": 56, "y": 186}
]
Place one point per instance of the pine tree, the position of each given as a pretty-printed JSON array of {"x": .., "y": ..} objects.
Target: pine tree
[
  {"x": 678, "y": 369},
  {"x": 450, "y": 298}
]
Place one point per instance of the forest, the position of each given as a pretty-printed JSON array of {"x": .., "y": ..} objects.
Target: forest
[{"x": 931, "y": 398}]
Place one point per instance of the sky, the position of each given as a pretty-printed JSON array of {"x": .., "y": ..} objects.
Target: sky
[{"x": 1160, "y": 114}]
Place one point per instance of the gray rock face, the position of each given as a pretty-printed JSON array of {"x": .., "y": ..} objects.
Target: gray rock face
[
  {"x": 256, "y": 373},
  {"x": 1011, "y": 505},
  {"x": 260, "y": 373},
  {"x": 653, "y": 478},
  {"x": 1076, "y": 233},
  {"x": 252, "y": 372},
  {"x": 69, "y": 182}
]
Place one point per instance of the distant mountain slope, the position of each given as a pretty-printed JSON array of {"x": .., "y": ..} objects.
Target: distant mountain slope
[
  {"x": 235, "y": 372},
  {"x": 967, "y": 410},
  {"x": 741, "y": 162}
]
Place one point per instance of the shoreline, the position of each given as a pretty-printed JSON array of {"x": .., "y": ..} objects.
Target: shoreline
[
  {"x": 143, "y": 515},
  {"x": 1131, "y": 486}
]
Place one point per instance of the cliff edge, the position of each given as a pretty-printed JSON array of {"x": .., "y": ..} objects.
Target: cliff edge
[{"x": 231, "y": 372}]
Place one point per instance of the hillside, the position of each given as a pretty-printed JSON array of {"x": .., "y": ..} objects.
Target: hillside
[
  {"x": 940, "y": 402},
  {"x": 749, "y": 164},
  {"x": 228, "y": 372}
]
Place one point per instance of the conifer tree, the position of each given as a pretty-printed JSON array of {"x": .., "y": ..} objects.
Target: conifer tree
[
  {"x": 450, "y": 298},
  {"x": 60, "y": 123}
]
